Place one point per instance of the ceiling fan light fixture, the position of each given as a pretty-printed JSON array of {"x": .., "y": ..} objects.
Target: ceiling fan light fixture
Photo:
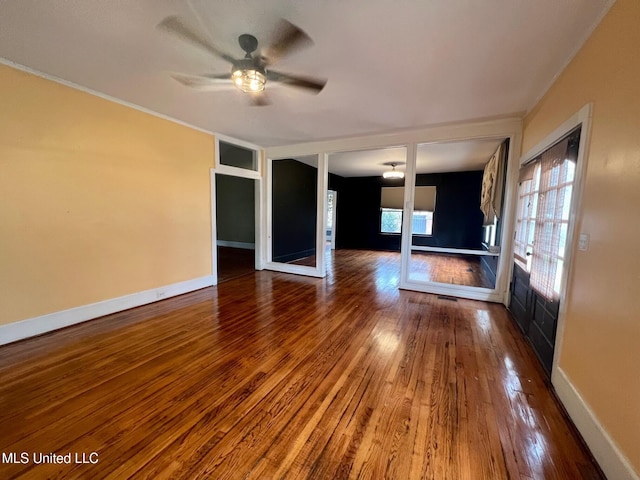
[
  {"x": 248, "y": 77},
  {"x": 393, "y": 173}
]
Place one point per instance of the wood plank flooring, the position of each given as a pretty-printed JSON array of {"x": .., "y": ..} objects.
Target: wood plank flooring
[
  {"x": 455, "y": 269},
  {"x": 279, "y": 376},
  {"x": 234, "y": 262}
]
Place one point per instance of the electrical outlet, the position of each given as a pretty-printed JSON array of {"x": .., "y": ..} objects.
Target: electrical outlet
[{"x": 583, "y": 244}]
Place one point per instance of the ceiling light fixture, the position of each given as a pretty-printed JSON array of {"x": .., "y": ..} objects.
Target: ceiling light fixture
[
  {"x": 248, "y": 76},
  {"x": 393, "y": 173}
]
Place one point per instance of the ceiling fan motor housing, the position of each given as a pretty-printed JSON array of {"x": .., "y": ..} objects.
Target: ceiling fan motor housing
[
  {"x": 248, "y": 43},
  {"x": 248, "y": 74}
]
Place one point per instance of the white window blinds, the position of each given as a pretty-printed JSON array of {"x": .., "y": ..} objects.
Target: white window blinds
[
  {"x": 424, "y": 198},
  {"x": 548, "y": 200}
]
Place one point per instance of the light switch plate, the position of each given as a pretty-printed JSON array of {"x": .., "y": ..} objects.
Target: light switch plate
[{"x": 583, "y": 244}]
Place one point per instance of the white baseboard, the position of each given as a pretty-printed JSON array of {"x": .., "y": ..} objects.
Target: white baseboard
[
  {"x": 228, "y": 243},
  {"x": 52, "y": 321},
  {"x": 614, "y": 463}
]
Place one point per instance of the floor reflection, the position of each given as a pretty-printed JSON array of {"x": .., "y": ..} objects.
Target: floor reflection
[{"x": 451, "y": 268}]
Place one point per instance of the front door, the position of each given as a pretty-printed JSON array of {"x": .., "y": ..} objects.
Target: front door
[{"x": 545, "y": 194}]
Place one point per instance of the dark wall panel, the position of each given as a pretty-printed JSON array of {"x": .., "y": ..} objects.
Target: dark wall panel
[
  {"x": 294, "y": 210},
  {"x": 235, "y": 209},
  {"x": 457, "y": 218},
  {"x": 490, "y": 267}
]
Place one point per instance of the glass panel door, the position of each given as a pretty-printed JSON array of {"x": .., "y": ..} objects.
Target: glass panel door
[{"x": 545, "y": 191}]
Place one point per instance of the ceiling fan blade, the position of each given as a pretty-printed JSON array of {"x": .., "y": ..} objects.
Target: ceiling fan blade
[
  {"x": 309, "y": 83},
  {"x": 288, "y": 38},
  {"x": 259, "y": 99},
  {"x": 204, "y": 82},
  {"x": 178, "y": 27}
]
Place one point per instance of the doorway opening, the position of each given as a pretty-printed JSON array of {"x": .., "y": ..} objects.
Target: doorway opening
[
  {"x": 236, "y": 209},
  {"x": 235, "y": 226}
]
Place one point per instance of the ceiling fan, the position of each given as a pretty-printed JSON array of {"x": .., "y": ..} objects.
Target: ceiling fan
[{"x": 251, "y": 73}]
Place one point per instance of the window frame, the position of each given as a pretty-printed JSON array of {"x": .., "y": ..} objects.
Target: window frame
[{"x": 398, "y": 210}]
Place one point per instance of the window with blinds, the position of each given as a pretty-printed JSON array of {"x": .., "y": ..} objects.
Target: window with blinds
[
  {"x": 544, "y": 202},
  {"x": 391, "y": 203}
]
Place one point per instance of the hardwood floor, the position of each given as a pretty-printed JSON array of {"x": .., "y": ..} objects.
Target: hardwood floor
[
  {"x": 235, "y": 262},
  {"x": 455, "y": 269},
  {"x": 279, "y": 376}
]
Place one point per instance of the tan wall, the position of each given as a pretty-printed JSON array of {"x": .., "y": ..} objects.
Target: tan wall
[
  {"x": 98, "y": 200},
  {"x": 601, "y": 346}
]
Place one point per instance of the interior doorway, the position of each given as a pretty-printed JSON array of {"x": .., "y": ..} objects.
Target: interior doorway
[
  {"x": 235, "y": 226},
  {"x": 236, "y": 209}
]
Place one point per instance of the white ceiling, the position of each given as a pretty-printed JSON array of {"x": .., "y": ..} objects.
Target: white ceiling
[
  {"x": 431, "y": 158},
  {"x": 390, "y": 64}
]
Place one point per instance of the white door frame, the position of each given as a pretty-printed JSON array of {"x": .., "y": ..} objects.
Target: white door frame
[
  {"x": 333, "y": 218},
  {"x": 258, "y": 209},
  {"x": 321, "y": 218},
  {"x": 496, "y": 294},
  {"x": 504, "y": 128},
  {"x": 581, "y": 118}
]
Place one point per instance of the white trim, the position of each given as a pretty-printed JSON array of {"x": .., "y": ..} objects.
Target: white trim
[
  {"x": 509, "y": 207},
  {"x": 236, "y": 171},
  {"x": 583, "y": 118},
  {"x": 411, "y": 155},
  {"x": 332, "y": 237},
  {"x": 465, "y": 251},
  {"x": 503, "y": 128},
  {"x": 258, "y": 212},
  {"x": 575, "y": 120},
  {"x": 232, "y": 244},
  {"x": 460, "y": 291},
  {"x": 321, "y": 221},
  {"x": 268, "y": 197},
  {"x": 259, "y": 220},
  {"x": 214, "y": 226},
  {"x": 95, "y": 93},
  {"x": 52, "y": 321},
  {"x": 321, "y": 213},
  {"x": 613, "y": 462},
  {"x": 443, "y": 133},
  {"x": 239, "y": 143},
  {"x": 295, "y": 269},
  {"x": 406, "y": 283},
  {"x": 578, "y": 46}
]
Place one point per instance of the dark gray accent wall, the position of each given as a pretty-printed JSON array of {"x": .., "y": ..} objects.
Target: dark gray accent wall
[
  {"x": 236, "y": 156},
  {"x": 457, "y": 217},
  {"x": 295, "y": 187},
  {"x": 235, "y": 209}
]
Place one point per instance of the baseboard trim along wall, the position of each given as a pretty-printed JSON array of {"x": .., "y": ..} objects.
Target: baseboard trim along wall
[
  {"x": 12, "y": 332},
  {"x": 228, "y": 243},
  {"x": 613, "y": 462}
]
